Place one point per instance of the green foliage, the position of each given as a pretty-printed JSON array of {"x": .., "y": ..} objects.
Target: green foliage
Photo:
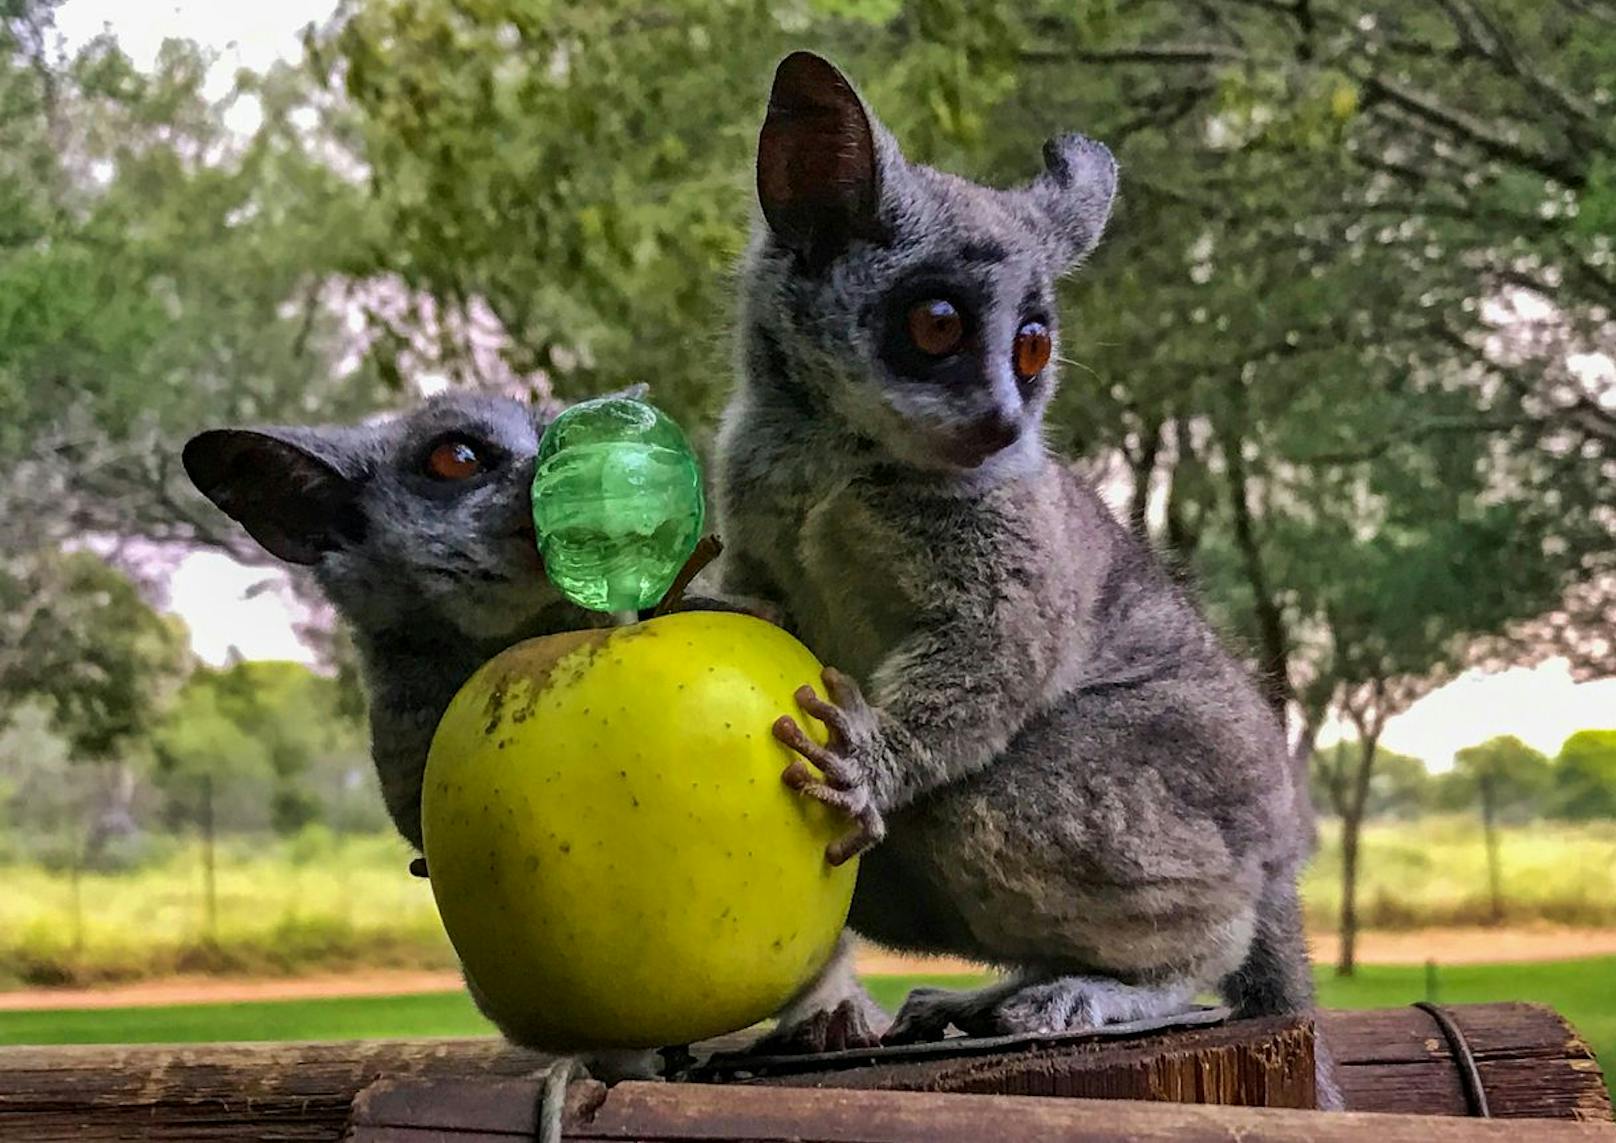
[
  {"x": 1285, "y": 345},
  {"x": 255, "y": 737},
  {"x": 1432, "y": 872},
  {"x": 311, "y": 902},
  {"x": 1585, "y": 776},
  {"x": 97, "y": 654},
  {"x": 1506, "y": 774},
  {"x": 578, "y": 169},
  {"x": 165, "y": 271},
  {"x": 1400, "y": 788},
  {"x": 158, "y": 272}
]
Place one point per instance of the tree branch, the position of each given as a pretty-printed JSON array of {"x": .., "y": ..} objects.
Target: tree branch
[
  {"x": 1160, "y": 54},
  {"x": 1468, "y": 129}
]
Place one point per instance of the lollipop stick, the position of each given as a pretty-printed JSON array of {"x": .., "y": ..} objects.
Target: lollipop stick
[{"x": 707, "y": 549}]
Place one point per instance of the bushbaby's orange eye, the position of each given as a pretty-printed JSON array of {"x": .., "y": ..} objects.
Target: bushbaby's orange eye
[
  {"x": 936, "y": 327},
  {"x": 454, "y": 460},
  {"x": 1031, "y": 349}
]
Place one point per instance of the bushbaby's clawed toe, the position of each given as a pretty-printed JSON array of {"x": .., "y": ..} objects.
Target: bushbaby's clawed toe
[
  {"x": 802, "y": 1038},
  {"x": 1079, "y": 1003},
  {"x": 850, "y": 1024},
  {"x": 925, "y": 1015},
  {"x": 841, "y": 781}
]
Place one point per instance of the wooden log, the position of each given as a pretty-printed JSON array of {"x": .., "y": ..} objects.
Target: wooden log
[
  {"x": 1531, "y": 1062},
  {"x": 1394, "y": 1060},
  {"x": 460, "y": 1111},
  {"x": 283, "y": 1092},
  {"x": 1246, "y": 1063}
]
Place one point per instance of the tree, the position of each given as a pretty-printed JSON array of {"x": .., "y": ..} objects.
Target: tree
[
  {"x": 1506, "y": 776},
  {"x": 1396, "y": 569},
  {"x": 158, "y": 273},
  {"x": 101, "y": 661},
  {"x": 256, "y": 732},
  {"x": 237, "y": 751},
  {"x": 100, "y": 656},
  {"x": 1585, "y": 776},
  {"x": 1277, "y": 288},
  {"x": 1434, "y": 173},
  {"x": 1401, "y": 788}
]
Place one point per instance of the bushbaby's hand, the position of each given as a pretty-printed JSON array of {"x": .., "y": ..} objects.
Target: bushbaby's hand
[{"x": 843, "y": 762}]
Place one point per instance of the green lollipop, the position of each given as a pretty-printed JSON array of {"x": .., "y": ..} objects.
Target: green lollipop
[{"x": 617, "y": 503}]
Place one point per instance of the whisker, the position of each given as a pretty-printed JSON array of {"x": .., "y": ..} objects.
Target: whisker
[{"x": 1080, "y": 365}]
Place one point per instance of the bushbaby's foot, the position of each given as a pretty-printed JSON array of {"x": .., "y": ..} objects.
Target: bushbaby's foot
[
  {"x": 1022, "y": 1007},
  {"x": 856, "y": 1022},
  {"x": 843, "y": 778}
]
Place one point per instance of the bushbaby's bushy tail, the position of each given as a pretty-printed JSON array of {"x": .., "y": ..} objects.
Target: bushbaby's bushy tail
[{"x": 1276, "y": 979}]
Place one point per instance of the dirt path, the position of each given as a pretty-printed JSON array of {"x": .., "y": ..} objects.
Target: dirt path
[{"x": 1446, "y": 946}]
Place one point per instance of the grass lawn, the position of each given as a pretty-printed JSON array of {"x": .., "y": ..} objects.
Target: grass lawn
[
  {"x": 320, "y": 902},
  {"x": 1582, "y": 990}
]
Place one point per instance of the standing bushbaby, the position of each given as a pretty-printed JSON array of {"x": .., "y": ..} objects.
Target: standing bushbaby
[{"x": 1073, "y": 779}]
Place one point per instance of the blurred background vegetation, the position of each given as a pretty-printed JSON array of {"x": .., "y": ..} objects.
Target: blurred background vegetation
[{"x": 1344, "y": 360}]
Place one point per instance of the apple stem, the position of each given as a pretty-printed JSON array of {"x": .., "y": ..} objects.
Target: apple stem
[{"x": 707, "y": 549}]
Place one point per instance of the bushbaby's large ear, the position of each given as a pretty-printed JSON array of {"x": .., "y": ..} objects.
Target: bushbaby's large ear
[
  {"x": 294, "y": 501},
  {"x": 818, "y": 173},
  {"x": 1075, "y": 191}
]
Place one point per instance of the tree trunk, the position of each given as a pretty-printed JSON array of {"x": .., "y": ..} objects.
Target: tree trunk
[
  {"x": 1301, "y": 771},
  {"x": 76, "y": 887},
  {"x": 1274, "y": 677},
  {"x": 210, "y": 892},
  {"x": 1351, "y": 828},
  {"x": 1489, "y": 829},
  {"x": 1143, "y": 466},
  {"x": 1347, "y": 963}
]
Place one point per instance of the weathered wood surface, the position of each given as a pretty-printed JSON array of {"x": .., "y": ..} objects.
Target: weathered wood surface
[
  {"x": 1248, "y": 1063},
  {"x": 1532, "y": 1063},
  {"x": 280, "y": 1092},
  {"x": 1395, "y": 1060},
  {"x": 450, "y": 1111}
]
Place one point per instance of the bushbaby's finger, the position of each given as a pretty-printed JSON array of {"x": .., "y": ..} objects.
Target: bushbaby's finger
[
  {"x": 788, "y": 732},
  {"x": 843, "y": 691},
  {"x": 834, "y": 718}
]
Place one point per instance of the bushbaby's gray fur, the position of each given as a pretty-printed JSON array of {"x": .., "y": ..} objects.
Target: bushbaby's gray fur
[
  {"x": 432, "y": 577},
  {"x": 1076, "y": 781}
]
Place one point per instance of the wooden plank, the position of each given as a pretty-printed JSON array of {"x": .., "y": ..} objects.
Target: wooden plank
[
  {"x": 1531, "y": 1062},
  {"x": 461, "y": 1111},
  {"x": 285, "y": 1092}
]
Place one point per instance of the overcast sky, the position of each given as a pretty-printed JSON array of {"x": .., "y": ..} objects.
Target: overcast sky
[
  {"x": 249, "y": 34},
  {"x": 211, "y": 593}
]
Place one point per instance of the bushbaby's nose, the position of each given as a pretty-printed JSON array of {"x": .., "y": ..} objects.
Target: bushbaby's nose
[{"x": 989, "y": 434}]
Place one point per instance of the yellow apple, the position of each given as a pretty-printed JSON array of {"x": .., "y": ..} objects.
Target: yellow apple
[{"x": 614, "y": 855}]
